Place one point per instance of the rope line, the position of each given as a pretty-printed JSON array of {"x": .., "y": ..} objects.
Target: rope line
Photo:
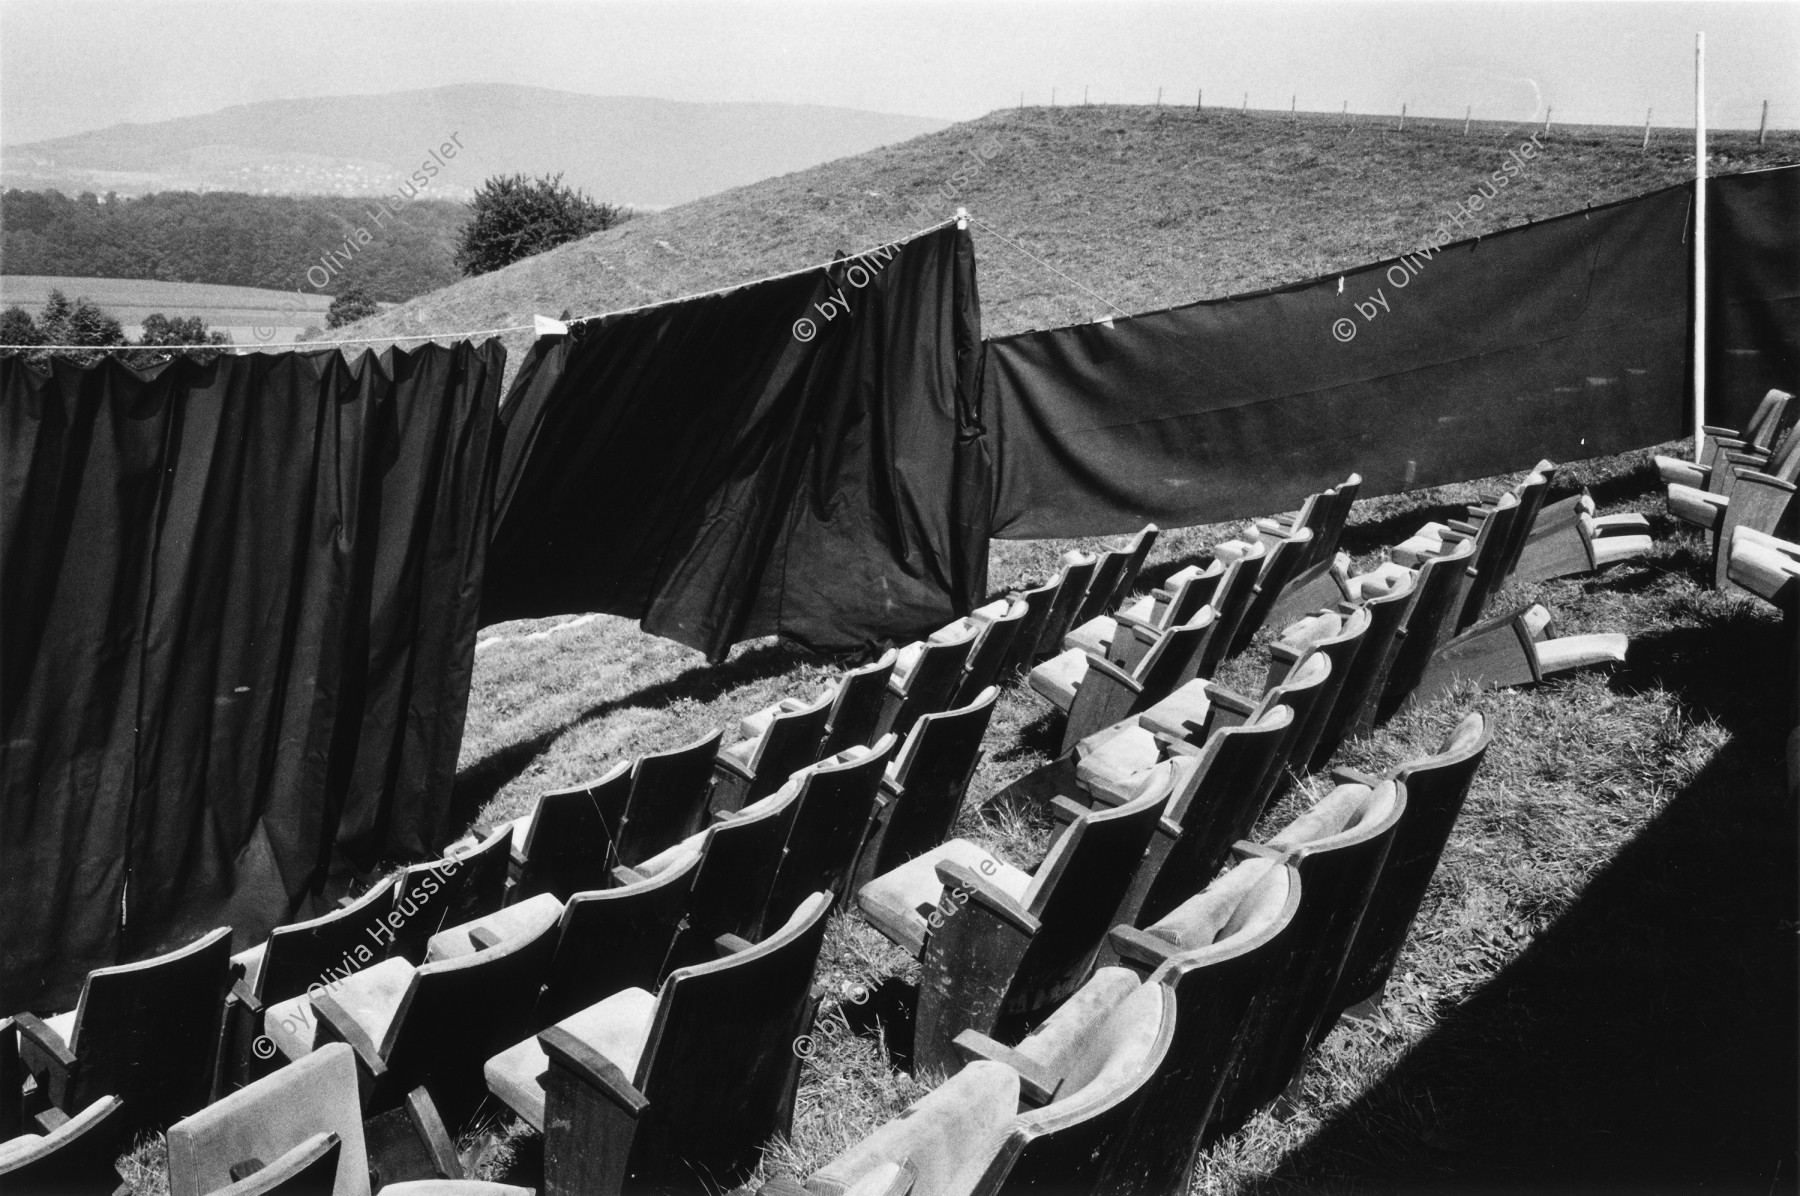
[{"x": 1046, "y": 265}]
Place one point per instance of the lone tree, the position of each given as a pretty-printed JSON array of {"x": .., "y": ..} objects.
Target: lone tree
[
  {"x": 350, "y": 305},
  {"x": 513, "y": 217},
  {"x": 174, "y": 330}
]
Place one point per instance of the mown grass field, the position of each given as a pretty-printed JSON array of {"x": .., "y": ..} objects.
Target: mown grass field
[{"x": 238, "y": 311}]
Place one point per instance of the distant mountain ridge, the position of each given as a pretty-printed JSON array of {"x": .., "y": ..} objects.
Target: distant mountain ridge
[{"x": 622, "y": 149}]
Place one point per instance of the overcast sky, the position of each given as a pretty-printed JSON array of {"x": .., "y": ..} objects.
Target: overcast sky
[{"x": 69, "y": 65}]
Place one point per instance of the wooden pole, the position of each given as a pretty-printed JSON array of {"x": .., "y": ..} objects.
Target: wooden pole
[
  {"x": 1084, "y": 92},
  {"x": 1646, "y": 128},
  {"x": 1294, "y": 108},
  {"x": 1467, "y": 113},
  {"x": 1403, "y": 118},
  {"x": 1344, "y": 118},
  {"x": 1246, "y": 103},
  {"x": 1699, "y": 241},
  {"x": 1159, "y": 97},
  {"x": 1546, "y": 122},
  {"x": 1762, "y": 130},
  {"x": 1053, "y": 97},
  {"x": 1199, "y": 98}
]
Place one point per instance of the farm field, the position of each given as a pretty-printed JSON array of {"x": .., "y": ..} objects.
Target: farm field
[{"x": 239, "y": 312}]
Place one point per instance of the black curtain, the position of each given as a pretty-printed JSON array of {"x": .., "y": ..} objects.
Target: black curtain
[
  {"x": 801, "y": 456},
  {"x": 1563, "y": 339},
  {"x": 238, "y": 607},
  {"x": 1753, "y": 291}
]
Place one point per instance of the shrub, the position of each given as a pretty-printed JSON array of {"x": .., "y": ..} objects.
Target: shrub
[
  {"x": 350, "y": 305},
  {"x": 514, "y": 217}
]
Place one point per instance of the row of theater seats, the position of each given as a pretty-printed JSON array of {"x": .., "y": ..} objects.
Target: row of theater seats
[
  {"x": 622, "y": 899},
  {"x": 1743, "y": 479}
]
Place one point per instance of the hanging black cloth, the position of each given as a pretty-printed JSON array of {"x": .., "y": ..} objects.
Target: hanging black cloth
[
  {"x": 801, "y": 456},
  {"x": 237, "y": 617}
]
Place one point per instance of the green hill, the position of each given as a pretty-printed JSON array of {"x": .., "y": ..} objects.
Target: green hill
[{"x": 1145, "y": 206}]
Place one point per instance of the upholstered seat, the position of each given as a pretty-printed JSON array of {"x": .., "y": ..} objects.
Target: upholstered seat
[
  {"x": 617, "y": 1027},
  {"x": 900, "y": 903}
]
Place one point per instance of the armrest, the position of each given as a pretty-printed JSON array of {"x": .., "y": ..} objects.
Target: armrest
[
  {"x": 627, "y": 876},
  {"x": 986, "y": 894},
  {"x": 726, "y": 764},
  {"x": 240, "y": 992},
  {"x": 45, "y": 1039},
  {"x": 1127, "y": 622},
  {"x": 1218, "y": 695},
  {"x": 1136, "y": 947},
  {"x": 1286, "y": 653},
  {"x": 1067, "y": 809},
  {"x": 1763, "y": 479},
  {"x": 1716, "y": 432},
  {"x": 783, "y": 1185},
  {"x": 1035, "y": 1081},
  {"x": 1244, "y": 849},
  {"x": 333, "y": 1014},
  {"x": 1465, "y": 527},
  {"x": 731, "y": 944},
  {"x": 593, "y": 1069},
  {"x": 1345, "y": 775}
]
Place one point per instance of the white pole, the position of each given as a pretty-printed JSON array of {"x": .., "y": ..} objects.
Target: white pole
[{"x": 1699, "y": 241}]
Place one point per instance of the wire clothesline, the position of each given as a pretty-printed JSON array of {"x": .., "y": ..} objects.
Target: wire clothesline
[
  {"x": 433, "y": 336},
  {"x": 1046, "y": 265}
]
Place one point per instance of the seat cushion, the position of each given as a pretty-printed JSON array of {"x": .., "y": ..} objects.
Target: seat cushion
[
  {"x": 1181, "y": 714},
  {"x": 1095, "y": 635},
  {"x": 742, "y": 752},
  {"x": 671, "y": 857},
  {"x": 292, "y": 1026},
  {"x": 1059, "y": 677},
  {"x": 523, "y": 919},
  {"x": 371, "y": 997},
  {"x": 900, "y": 903},
  {"x": 753, "y": 725},
  {"x": 617, "y": 1027},
  {"x": 1378, "y": 582},
  {"x": 1115, "y": 765}
]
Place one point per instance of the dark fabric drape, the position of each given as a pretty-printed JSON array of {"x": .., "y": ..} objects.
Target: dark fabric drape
[
  {"x": 1753, "y": 290},
  {"x": 721, "y": 471},
  {"x": 238, "y": 607},
  {"x": 1566, "y": 339}
]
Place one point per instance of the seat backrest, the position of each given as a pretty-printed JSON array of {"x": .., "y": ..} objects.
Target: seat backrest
[
  {"x": 1038, "y": 600},
  {"x": 1137, "y": 552},
  {"x": 1309, "y": 741},
  {"x": 1189, "y": 590},
  {"x": 1075, "y": 891},
  {"x": 933, "y": 773},
  {"x": 934, "y": 679},
  {"x": 147, "y": 1032},
  {"x": 1288, "y": 555},
  {"x": 1230, "y": 939},
  {"x": 1328, "y": 527},
  {"x": 1531, "y": 494},
  {"x": 459, "y": 1012},
  {"x": 1428, "y": 619},
  {"x": 570, "y": 844},
  {"x": 1353, "y": 713},
  {"x": 300, "y": 953},
  {"x": 1099, "y": 597},
  {"x": 992, "y": 646},
  {"x": 1492, "y": 543},
  {"x": 1078, "y": 571},
  {"x": 716, "y": 1064},
  {"x": 263, "y": 1121},
  {"x": 738, "y": 862},
  {"x": 1304, "y": 689},
  {"x": 1219, "y": 806},
  {"x": 790, "y": 744},
  {"x": 1231, "y": 599},
  {"x": 856, "y": 708},
  {"x": 1765, "y": 421},
  {"x": 1436, "y": 786},
  {"x": 836, "y": 808},
  {"x": 448, "y": 892},
  {"x": 1106, "y": 1073},
  {"x": 613, "y": 939},
  {"x": 1174, "y": 659},
  {"x": 669, "y": 792}
]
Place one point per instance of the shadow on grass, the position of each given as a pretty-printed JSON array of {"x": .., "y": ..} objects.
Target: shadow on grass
[
  {"x": 477, "y": 783},
  {"x": 1647, "y": 1041}
]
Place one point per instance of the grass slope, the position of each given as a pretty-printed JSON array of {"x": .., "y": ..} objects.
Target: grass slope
[{"x": 1147, "y": 207}]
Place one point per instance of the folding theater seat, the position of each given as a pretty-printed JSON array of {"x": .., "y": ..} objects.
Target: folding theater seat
[
  {"x": 300, "y": 1130},
  {"x": 566, "y": 843},
  {"x": 1388, "y": 601},
  {"x": 1572, "y": 539},
  {"x": 837, "y": 802},
  {"x": 652, "y": 1091},
  {"x": 1756, "y": 437},
  {"x": 1492, "y": 543},
  {"x": 1042, "y": 1117},
  {"x": 993, "y": 645},
  {"x": 856, "y": 700},
  {"x": 76, "y": 1155},
  {"x": 1324, "y": 514},
  {"x": 751, "y": 769},
  {"x": 997, "y": 945},
  {"x": 147, "y": 1033},
  {"x": 294, "y": 957},
  {"x": 922, "y": 789},
  {"x": 1178, "y": 601},
  {"x": 1244, "y": 561},
  {"x": 1437, "y": 590},
  {"x": 1435, "y": 787},
  {"x": 1190, "y": 713},
  {"x": 1746, "y": 491},
  {"x": 1093, "y": 692},
  {"x": 430, "y": 1026},
  {"x": 669, "y": 795},
  {"x": 464, "y": 885},
  {"x": 606, "y": 939},
  {"x": 1059, "y": 600},
  {"x": 1338, "y": 847},
  {"x": 1284, "y": 555},
  {"x": 1519, "y": 648},
  {"x": 1114, "y": 574},
  {"x": 1218, "y": 951},
  {"x": 927, "y": 673}
]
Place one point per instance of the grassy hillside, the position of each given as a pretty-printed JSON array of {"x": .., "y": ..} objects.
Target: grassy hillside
[
  {"x": 249, "y": 315},
  {"x": 1147, "y": 207}
]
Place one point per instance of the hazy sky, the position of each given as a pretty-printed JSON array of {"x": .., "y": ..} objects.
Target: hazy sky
[{"x": 69, "y": 65}]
